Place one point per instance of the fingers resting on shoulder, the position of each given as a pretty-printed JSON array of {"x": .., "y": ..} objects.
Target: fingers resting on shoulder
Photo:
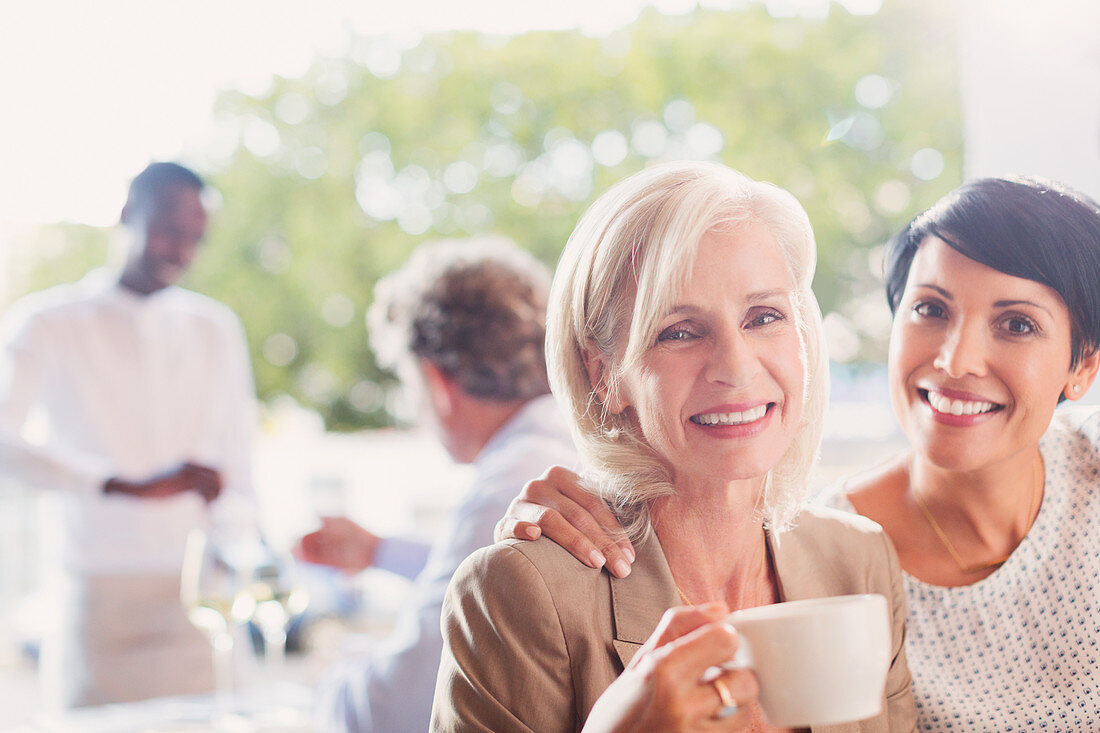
[{"x": 556, "y": 505}]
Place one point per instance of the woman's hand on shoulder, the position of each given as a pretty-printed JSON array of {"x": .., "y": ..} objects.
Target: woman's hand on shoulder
[
  {"x": 555, "y": 505},
  {"x": 670, "y": 684}
]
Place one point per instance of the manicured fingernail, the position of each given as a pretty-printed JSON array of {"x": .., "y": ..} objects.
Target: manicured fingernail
[
  {"x": 596, "y": 559},
  {"x": 622, "y": 568},
  {"x": 532, "y": 532},
  {"x": 629, "y": 552}
]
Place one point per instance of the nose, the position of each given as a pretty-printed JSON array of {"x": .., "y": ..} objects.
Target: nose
[
  {"x": 963, "y": 352},
  {"x": 733, "y": 360}
]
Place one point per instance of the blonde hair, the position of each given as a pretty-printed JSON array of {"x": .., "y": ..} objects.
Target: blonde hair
[{"x": 620, "y": 272}]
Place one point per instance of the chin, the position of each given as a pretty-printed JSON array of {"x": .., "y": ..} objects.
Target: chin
[
  {"x": 950, "y": 455},
  {"x": 167, "y": 280},
  {"x": 739, "y": 468}
]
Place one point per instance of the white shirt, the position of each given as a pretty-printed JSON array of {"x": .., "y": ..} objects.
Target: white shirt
[
  {"x": 1020, "y": 649},
  {"x": 392, "y": 688},
  {"x": 131, "y": 386}
]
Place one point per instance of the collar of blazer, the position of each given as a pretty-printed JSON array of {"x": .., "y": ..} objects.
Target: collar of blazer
[{"x": 640, "y": 599}]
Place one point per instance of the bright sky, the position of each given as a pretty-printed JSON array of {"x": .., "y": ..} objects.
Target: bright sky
[{"x": 91, "y": 91}]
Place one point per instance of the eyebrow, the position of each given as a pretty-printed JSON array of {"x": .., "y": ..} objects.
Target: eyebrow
[
  {"x": 937, "y": 288},
  {"x": 1012, "y": 303},
  {"x": 768, "y": 294},
  {"x": 998, "y": 304},
  {"x": 757, "y": 297}
]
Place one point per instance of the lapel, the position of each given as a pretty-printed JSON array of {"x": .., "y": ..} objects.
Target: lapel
[
  {"x": 797, "y": 572},
  {"x": 640, "y": 599},
  {"x": 781, "y": 563}
]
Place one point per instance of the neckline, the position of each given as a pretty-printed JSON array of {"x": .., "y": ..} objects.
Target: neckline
[{"x": 1038, "y": 527}]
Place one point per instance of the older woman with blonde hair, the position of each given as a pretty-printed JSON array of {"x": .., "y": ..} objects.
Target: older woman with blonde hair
[
  {"x": 992, "y": 508},
  {"x": 685, "y": 341}
]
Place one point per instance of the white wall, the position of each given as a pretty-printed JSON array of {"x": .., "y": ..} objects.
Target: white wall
[{"x": 1030, "y": 78}]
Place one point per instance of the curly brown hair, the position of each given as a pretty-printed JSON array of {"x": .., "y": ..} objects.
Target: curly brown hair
[{"x": 474, "y": 308}]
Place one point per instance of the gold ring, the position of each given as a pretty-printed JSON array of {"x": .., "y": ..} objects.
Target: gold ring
[{"x": 729, "y": 705}]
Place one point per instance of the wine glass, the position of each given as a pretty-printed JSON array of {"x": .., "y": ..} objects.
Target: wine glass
[
  {"x": 209, "y": 589},
  {"x": 275, "y": 596}
]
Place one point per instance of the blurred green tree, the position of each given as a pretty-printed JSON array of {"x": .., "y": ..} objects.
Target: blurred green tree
[{"x": 331, "y": 179}]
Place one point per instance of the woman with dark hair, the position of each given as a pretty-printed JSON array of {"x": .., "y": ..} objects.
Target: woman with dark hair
[{"x": 996, "y": 298}]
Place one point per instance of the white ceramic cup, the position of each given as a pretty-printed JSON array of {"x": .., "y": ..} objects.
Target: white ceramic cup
[{"x": 819, "y": 661}]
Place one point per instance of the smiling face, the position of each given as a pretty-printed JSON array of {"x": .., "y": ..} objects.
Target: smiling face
[
  {"x": 978, "y": 359},
  {"x": 718, "y": 393}
]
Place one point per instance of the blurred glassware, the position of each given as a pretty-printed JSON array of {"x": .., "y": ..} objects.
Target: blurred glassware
[
  {"x": 273, "y": 596},
  {"x": 210, "y": 584}
]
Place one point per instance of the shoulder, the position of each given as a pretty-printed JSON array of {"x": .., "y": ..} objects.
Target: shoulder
[
  {"x": 1074, "y": 427},
  {"x": 833, "y": 497},
  {"x": 44, "y": 309},
  {"x": 830, "y": 552},
  {"x": 533, "y": 442},
  {"x": 827, "y": 528},
  {"x": 517, "y": 618},
  {"x": 1071, "y": 445},
  {"x": 524, "y": 458},
  {"x": 203, "y": 307},
  {"x": 880, "y": 481},
  {"x": 513, "y": 580},
  {"x": 880, "y": 493},
  {"x": 541, "y": 562},
  {"x": 58, "y": 299},
  {"x": 210, "y": 319}
]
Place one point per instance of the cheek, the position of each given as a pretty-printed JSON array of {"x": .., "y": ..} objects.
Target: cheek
[
  {"x": 190, "y": 249},
  {"x": 907, "y": 350},
  {"x": 896, "y": 350},
  {"x": 156, "y": 247},
  {"x": 1043, "y": 379},
  {"x": 654, "y": 395},
  {"x": 789, "y": 366}
]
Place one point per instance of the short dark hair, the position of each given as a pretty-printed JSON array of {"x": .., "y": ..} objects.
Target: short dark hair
[
  {"x": 1032, "y": 228},
  {"x": 148, "y": 186}
]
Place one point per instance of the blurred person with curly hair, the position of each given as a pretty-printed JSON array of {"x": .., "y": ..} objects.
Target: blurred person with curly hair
[{"x": 462, "y": 324}]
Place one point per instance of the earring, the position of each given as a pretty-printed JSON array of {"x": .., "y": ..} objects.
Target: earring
[{"x": 1076, "y": 388}]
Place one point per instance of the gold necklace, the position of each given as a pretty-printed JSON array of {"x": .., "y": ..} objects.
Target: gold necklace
[{"x": 1035, "y": 485}]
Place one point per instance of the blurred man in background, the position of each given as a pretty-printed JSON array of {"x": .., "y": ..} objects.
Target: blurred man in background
[
  {"x": 147, "y": 392},
  {"x": 462, "y": 324}
]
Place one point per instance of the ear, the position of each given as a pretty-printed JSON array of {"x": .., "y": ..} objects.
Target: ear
[
  {"x": 1082, "y": 376},
  {"x": 599, "y": 376},
  {"x": 439, "y": 388}
]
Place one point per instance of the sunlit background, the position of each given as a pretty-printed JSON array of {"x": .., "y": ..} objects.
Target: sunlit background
[{"x": 338, "y": 135}]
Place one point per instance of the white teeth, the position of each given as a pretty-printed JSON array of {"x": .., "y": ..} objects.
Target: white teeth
[
  {"x": 731, "y": 418},
  {"x": 949, "y": 406}
]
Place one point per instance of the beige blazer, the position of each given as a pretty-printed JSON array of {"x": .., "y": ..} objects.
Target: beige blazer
[{"x": 532, "y": 637}]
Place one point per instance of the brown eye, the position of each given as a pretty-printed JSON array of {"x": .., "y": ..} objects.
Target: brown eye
[
  {"x": 928, "y": 309},
  {"x": 1019, "y": 326}
]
